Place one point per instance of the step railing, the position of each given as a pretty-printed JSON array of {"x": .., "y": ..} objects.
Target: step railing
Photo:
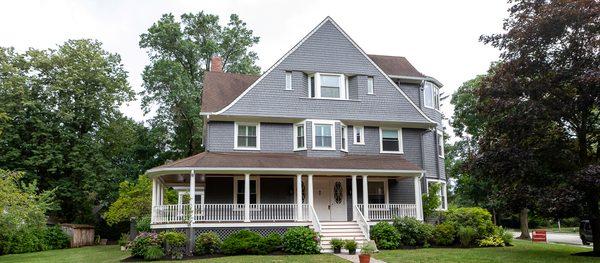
[
  {"x": 362, "y": 222},
  {"x": 389, "y": 211},
  {"x": 315, "y": 219}
]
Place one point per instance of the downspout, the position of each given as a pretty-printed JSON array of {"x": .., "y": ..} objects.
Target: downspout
[{"x": 205, "y": 132}]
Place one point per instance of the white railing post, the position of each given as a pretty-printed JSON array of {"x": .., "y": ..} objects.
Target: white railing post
[
  {"x": 154, "y": 210},
  {"x": 365, "y": 186},
  {"x": 192, "y": 196},
  {"x": 299, "y": 196},
  {"x": 246, "y": 197},
  {"x": 310, "y": 190},
  {"x": 354, "y": 196}
]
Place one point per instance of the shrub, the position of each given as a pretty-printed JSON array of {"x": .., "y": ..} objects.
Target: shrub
[
  {"x": 123, "y": 240},
  {"x": 153, "y": 252},
  {"x": 337, "y": 243},
  {"x": 444, "y": 234},
  {"x": 475, "y": 217},
  {"x": 301, "y": 240},
  {"x": 385, "y": 236},
  {"x": 466, "y": 236},
  {"x": 491, "y": 241},
  {"x": 412, "y": 231},
  {"x": 272, "y": 242},
  {"x": 173, "y": 243},
  {"x": 55, "y": 238},
  {"x": 207, "y": 243},
  {"x": 24, "y": 240},
  {"x": 243, "y": 242},
  {"x": 431, "y": 200},
  {"x": 506, "y": 236},
  {"x": 350, "y": 244},
  {"x": 143, "y": 224},
  {"x": 142, "y": 242}
]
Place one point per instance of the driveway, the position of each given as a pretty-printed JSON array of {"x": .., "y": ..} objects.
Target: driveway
[{"x": 562, "y": 238}]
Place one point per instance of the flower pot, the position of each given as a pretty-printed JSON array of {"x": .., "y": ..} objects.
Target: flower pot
[
  {"x": 364, "y": 258},
  {"x": 352, "y": 251},
  {"x": 123, "y": 248},
  {"x": 337, "y": 250}
]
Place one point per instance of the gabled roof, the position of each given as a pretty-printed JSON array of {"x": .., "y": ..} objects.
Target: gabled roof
[
  {"x": 220, "y": 89},
  {"x": 396, "y": 66}
]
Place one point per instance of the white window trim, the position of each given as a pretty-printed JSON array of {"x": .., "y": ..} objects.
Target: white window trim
[
  {"x": 370, "y": 85},
  {"x": 344, "y": 135},
  {"x": 198, "y": 192},
  {"x": 362, "y": 133},
  {"x": 288, "y": 80},
  {"x": 314, "y": 134},
  {"x": 296, "y": 136},
  {"x": 235, "y": 185},
  {"x": 440, "y": 142},
  {"x": 386, "y": 192},
  {"x": 235, "y": 136},
  {"x": 435, "y": 96},
  {"x": 343, "y": 80},
  {"x": 400, "y": 143},
  {"x": 444, "y": 191}
]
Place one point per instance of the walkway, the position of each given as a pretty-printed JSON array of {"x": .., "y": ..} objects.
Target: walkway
[{"x": 354, "y": 258}]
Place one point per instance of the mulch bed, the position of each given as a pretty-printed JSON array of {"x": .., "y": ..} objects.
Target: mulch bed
[{"x": 134, "y": 259}]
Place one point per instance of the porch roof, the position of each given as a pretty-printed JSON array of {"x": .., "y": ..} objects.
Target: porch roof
[{"x": 288, "y": 163}]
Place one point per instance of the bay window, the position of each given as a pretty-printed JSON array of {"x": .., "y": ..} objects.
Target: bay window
[
  {"x": 359, "y": 134},
  {"x": 344, "y": 138},
  {"x": 328, "y": 86},
  {"x": 323, "y": 135},
  {"x": 299, "y": 136},
  {"x": 442, "y": 192},
  {"x": 431, "y": 96}
]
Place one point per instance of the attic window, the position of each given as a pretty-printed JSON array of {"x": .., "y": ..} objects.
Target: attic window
[
  {"x": 288, "y": 80},
  {"x": 431, "y": 96},
  {"x": 327, "y": 86}
]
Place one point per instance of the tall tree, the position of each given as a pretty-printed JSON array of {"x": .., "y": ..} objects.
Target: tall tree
[
  {"x": 179, "y": 54},
  {"x": 545, "y": 99}
]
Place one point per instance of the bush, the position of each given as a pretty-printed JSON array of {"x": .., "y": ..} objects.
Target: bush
[
  {"x": 350, "y": 244},
  {"x": 491, "y": 241},
  {"x": 412, "y": 231},
  {"x": 207, "y": 243},
  {"x": 337, "y": 243},
  {"x": 143, "y": 224},
  {"x": 466, "y": 236},
  {"x": 431, "y": 200},
  {"x": 444, "y": 234},
  {"x": 56, "y": 238},
  {"x": 506, "y": 236},
  {"x": 272, "y": 242},
  {"x": 173, "y": 243},
  {"x": 475, "y": 217},
  {"x": 243, "y": 242},
  {"x": 153, "y": 253},
  {"x": 385, "y": 236},
  {"x": 141, "y": 243},
  {"x": 123, "y": 240},
  {"x": 301, "y": 240},
  {"x": 24, "y": 240}
]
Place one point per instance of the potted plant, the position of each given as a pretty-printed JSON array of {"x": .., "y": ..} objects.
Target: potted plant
[
  {"x": 365, "y": 252},
  {"x": 337, "y": 245},
  {"x": 351, "y": 246}
]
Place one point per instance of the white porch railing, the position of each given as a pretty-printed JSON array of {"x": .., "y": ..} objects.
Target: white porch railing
[
  {"x": 171, "y": 214},
  {"x": 315, "y": 219},
  {"x": 389, "y": 211},
  {"x": 362, "y": 222},
  {"x": 277, "y": 212},
  {"x": 229, "y": 213}
]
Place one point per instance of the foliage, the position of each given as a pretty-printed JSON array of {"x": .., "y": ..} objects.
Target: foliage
[
  {"x": 123, "y": 240},
  {"x": 301, "y": 240},
  {"x": 491, "y": 241},
  {"x": 367, "y": 249},
  {"x": 207, "y": 243},
  {"x": 506, "y": 236},
  {"x": 466, "y": 235},
  {"x": 385, "y": 235},
  {"x": 412, "y": 231},
  {"x": 153, "y": 252},
  {"x": 55, "y": 238},
  {"x": 350, "y": 244},
  {"x": 180, "y": 53},
  {"x": 337, "y": 243},
  {"x": 143, "y": 224},
  {"x": 475, "y": 217},
  {"x": 431, "y": 200},
  {"x": 272, "y": 242},
  {"x": 24, "y": 240},
  {"x": 173, "y": 243},
  {"x": 444, "y": 234},
  {"x": 243, "y": 242},
  {"x": 141, "y": 243}
]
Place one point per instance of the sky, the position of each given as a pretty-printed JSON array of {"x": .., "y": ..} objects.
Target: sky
[{"x": 440, "y": 38}]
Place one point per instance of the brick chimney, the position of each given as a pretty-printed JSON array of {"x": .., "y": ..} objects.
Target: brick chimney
[{"x": 216, "y": 64}]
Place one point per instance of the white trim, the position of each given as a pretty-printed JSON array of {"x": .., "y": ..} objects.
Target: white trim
[
  {"x": 226, "y": 224},
  {"x": 298, "y": 45},
  {"x": 440, "y": 143},
  {"x": 386, "y": 191},
  {"x": 291, "y": 171},
  {"x": 400, "y": 143},
  {"x": 295, "y": 134},
  {"x": 241, "y": 178},
  {"x": 288, "y": 80},
  {"x": 444, "y": 205},
  {"x": 362, "y": 134},
  {"x": 342, "y": 85},
  {"x": 235, "y": 136},
  {"x": 314, "y": 134},
  {"x": 370, "y": 85},
  {"x": 435, "y": 96},
  {"x": 343, "y": 138}
]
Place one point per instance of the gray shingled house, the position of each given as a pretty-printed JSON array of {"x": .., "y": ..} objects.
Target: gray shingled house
[{"x": 329, "y": 138}]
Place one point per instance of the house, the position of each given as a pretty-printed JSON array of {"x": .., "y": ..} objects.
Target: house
[{"x": 329, "y": 138}]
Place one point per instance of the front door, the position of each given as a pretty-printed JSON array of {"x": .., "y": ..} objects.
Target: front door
[{"x": 330, "y": 198}]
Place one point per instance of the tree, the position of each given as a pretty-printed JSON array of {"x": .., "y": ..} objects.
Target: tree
[
  {"x": 545, "y": 99},
  {"x": 179, "y": 54},
  {"x": 432, "y": 200}
]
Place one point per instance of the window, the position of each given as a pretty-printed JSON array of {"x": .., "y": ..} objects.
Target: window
[
  {"x": 247, "y": 136},
  {"x": 299, "y": 137},
  {"x": 344, "y": 137},
  {"x": 440, "y": 144},
  {"x": 391, "y": 140},
  {"x": 370, "y": 85},
  {"x": 377, "y": 192},
  {"x": 327, "y": 86},
  {"x": 323, "y": 138},
  {"x": 240, "y": 186},
  {"x": 442, "y": 193},
  {"x": 359, "y": 137},
  {"x": 288, "y": 80},
  {"x": 431, "y": 96}
]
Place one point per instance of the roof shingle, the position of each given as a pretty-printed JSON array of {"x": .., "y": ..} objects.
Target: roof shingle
[
  {"x": 397, "y": 66},
  {"x": 222, "y": 88}
]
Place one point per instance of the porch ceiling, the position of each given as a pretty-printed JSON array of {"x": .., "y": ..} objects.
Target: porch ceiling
[{"x": 284, "y": 163}]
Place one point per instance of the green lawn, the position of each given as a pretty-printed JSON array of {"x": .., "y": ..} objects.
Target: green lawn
[{"x": 522, "y": 251}]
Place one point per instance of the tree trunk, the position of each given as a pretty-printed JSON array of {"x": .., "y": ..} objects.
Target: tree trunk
[
  {"x": 524, "y": 224},
  {"x": 595, "y": 223},
  {"x": 494, "y": 216}
]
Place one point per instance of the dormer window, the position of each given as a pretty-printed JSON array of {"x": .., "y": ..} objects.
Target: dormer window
[
  {"x": 431, "y": 96},
  {"x": 327, "y": 86}
]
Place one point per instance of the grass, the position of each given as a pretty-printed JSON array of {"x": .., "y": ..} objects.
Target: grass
[
  {"x": 574, "y": 229},
  {"x": 522, "y": 251},
  {"x": 114, "y": 254}
]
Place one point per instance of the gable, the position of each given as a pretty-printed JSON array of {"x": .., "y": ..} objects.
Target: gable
[{"x": 326, "y": 49}]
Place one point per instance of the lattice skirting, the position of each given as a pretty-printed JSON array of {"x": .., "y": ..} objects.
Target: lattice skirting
[{"x": 224, "y": 232}]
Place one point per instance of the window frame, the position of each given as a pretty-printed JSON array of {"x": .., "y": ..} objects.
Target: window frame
[
  {"x": 400, "y": 143},
  {"x": 440, "y": 144},
  {"x": 362, "y": 133},
  {"x": 435, "y": 96},
  {"x": 342, "y": 85},
  {"x": 386, "y": 192},
  {"x": 314, "y": 134},
  {"x": 288, "y": 80},
  {"x": 370, "y": 85},
  {"x": 344, "y": 138},
  {"x": 443, "y": 190},
  {"x": 295, "y": 132},
  {"x": 236, "y": 180},
  {"x": 235, "y": 136}
]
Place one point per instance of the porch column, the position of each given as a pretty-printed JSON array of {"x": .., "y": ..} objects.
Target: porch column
[
  {"x": 153, "y": 213},
  {"x": 161, "y": 193},
  {"x": 192, "y": 196},
  {"x": 310, "y": 190},
  {"x": 246, "y": 197},
  {"x": 418, "y": 198},
  {"x": 354, "y": 197},
  {"x": 365, "y": 186},
  {"x": 299, "y": 196}
]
